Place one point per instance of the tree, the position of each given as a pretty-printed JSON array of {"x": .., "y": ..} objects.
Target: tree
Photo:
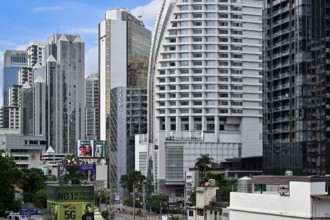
[
  {"x": 10, "y": 176},
  {"x": 158, "y": 203},
  {"x": 32, "y": 180},
  {"x": 72, "y": 174},
  {"x": 136, "y": 177},
  {"x": 203, "y": 164},
  {"x": 40, "y": 200}
]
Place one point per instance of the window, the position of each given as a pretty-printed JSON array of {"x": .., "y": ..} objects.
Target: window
[
  {"x": 197, "y": 23},
  {"x": 184, "y": 103},
  {"x": 211, "y": 79},
  {"x": 197, "y": 39},
  {"x": 197, "y": 87},
  {"x": 172, "y": 87},
  {"x": 234, "y": 87},
  {"x": 198, "y": 79},
  {"x": 211, "y": 15},
  {"x": 197, "y": 71},
  {"x": 197, "y": 15},
  {"x": 223, "y": 15},
  {"x": 184, "y": 63},
  {"x": 197, "y": 55},
  {"x": 161, "y": 103},
  {"x": 211, "y": 71},
  {"x": 211, "y": 31},
  {"x": 184, "y": 31},
  {"x": 211, "y": 55},
  {"x": 210, "y": 7},
  {"x": 211, "y": 39},
  {"x": 210, "y": 23},
  {"x": 184, "y": 23},
  {"x": 223, "y": 87},
  {"x": 172, "y": 48},
  {"x": 211, "y": 103},
  {"x": 211, "y": 95},
  {"x": 223, "y": 79},
  {"x": 172, "y": 95},
  {"x": 198, "y": 103},
  {"x": 211, "y": 63},
  {"x": 185, "y": 15},
  {"x": 184, "y": 8},
  {"x": 184, "y": 79},
  {"x": 223, "y": 47},
  {"x": 223, "y": 103},
  {"x": 197, "y": 95},
  {"x": 184, "y": 47},
  {"x": 197, "y": 31},
  {"x": 237, "y": 103},
  {"x": 222, "y": 31},
  {"x": 211, "y": 87},
  {"x": 162, "y": 96},
  {"x": 184, "y": 55},
  {"x": 184, "y": 71},
  {"x": 172, "y": 103},
  {"x": 184, "y": 87},
  {"x": 224, "y": 55},
  {"x": 197, "y": 47},
  {"x": 184, "y": 95},
  {"x": 161, "y": 80},
  {"x": 210, "y": 47},
  {"x": 197, "y": 63},
  {"x": 223, "y": 95},
  {"x": 223, "y": 63},
  {"x": 223, "y": 8},
  {"x": 197, "y": 7},
  {"x": 238, "y": 56}
]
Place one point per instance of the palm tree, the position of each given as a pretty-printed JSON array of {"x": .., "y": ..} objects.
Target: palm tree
[{"x": 203, "y": 164}]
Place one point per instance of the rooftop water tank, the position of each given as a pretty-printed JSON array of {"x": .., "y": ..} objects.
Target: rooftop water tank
[
  {"x": 288, "y": 173},
  {"x": 244, "y": 185}
]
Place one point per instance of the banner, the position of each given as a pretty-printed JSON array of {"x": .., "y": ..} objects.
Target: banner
[{"x": 89, "y": 170}]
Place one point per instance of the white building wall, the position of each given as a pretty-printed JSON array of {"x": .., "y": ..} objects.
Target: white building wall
[
  {"x": 274, "y": 206},
  {"x": 102, "y": 69}
]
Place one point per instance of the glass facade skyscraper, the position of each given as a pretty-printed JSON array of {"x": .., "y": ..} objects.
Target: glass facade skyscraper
[
  {"x": 296, "y": 87},
  {"x": 124, "y": 46}
]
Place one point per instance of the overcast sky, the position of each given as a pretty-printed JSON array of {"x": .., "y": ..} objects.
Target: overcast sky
[{"x": 24, "y": 21}]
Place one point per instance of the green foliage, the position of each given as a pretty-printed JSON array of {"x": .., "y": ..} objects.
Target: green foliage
[
  {"x": 40, "y": 200},
  {"x": 203, "y": 164},
  {"x": 129, "y": 202},
  {"x": 192, "y": 199},
  {"x": 72, "y": 174},
  {"x": 32, "y": 180},
  {"x": 105, "y": 214},
  {"x": 10, "y": 176},
  {"x": 136, "y": 177},
  {"x": 157, "y": 202}
]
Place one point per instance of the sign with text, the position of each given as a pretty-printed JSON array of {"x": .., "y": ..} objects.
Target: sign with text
[{"x": 70, "y": 202}]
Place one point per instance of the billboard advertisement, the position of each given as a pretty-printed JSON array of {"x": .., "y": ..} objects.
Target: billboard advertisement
[
  {"x": 99, "y": 148},
  {"x": 70, "y": 202},
  {"x": 91, "y": 148},
  {"x": 85, "y": 148},
  {"x": 89, "y": 170}
]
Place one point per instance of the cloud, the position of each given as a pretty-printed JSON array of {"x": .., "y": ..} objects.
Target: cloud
[
  {"x": 91, "y": 61},
  {"x": 149, "y": 13},
  {"x": 4, "y": 43},
  {"x": 21, "y": 47},
  {"x": 79, "y": 30}
]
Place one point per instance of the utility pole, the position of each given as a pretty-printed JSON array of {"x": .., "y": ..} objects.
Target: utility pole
[
  {"x": 133, "y": 200},
  {"x": 144, "y": 198}
]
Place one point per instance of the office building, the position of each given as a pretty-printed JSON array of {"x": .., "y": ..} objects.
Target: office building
[
  {"x": 296, "y": 87},
  {"x": 92, "y": 118},
  {"x": 204, "y": 86},
  {"x": 65, "y": 76},
  {"x": 13, "y": 61},
  {"x": 36, "y": 53},
  {"x": 39, "y": 106},
  {"x": 123, "y": 63},
  {"x": 26, "y": 107}
]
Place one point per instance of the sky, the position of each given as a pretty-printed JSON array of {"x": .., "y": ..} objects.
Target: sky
[{"x": 24, "y": 21}]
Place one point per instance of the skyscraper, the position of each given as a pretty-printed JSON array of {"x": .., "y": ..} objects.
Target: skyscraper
[
  {"x": 124, "y": 46},
  {"x": 204, "y": 86},
  {"x": 296, "y": 87},
  {"x": 92, "y": 118},
  {"x": 14, "y": 60},
  {"x": 65, "y": 76}
]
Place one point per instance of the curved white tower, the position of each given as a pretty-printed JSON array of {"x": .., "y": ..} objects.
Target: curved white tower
[{"x": 204, "y": 85}]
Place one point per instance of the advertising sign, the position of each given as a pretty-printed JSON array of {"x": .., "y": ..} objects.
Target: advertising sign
[
  {"x": 89, "y": 170},
  {"x": 70, "y": 202},
  {"x": 99, "y": 148},
  {"x": 85, "y": 148}
]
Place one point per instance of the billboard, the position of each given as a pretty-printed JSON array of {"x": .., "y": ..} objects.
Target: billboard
[
  {"x": 89, "y": 170},
  {"x": 70, "y": 202},
  {"x": 91, "y": 148},
  {"x": 85, "y": 148},
  {"x": 99, "y": 148}
]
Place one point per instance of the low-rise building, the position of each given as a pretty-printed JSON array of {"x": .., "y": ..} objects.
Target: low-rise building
[{"x": 282, "y": 197}]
